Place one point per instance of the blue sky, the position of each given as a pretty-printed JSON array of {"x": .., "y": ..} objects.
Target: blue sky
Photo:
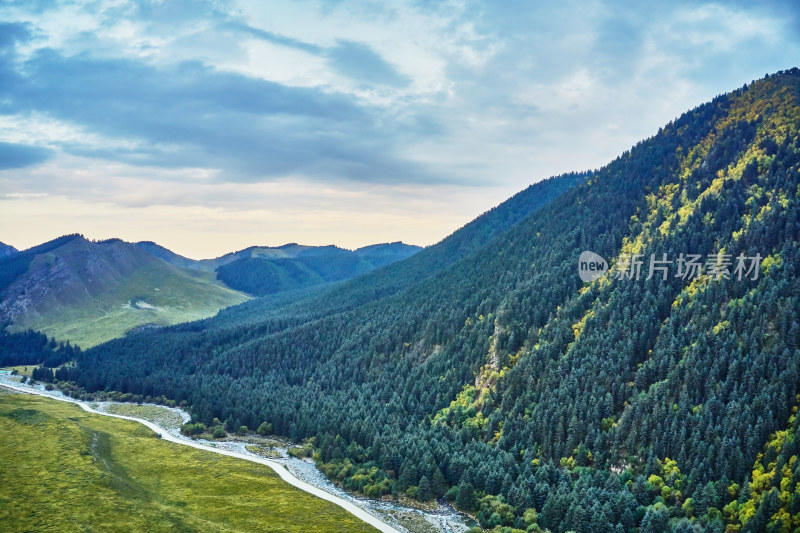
[{"x": 210, "y": 126}]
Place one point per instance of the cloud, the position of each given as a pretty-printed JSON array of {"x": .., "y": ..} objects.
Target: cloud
[
  {"x": 191, "y": 115},
  {"x": 12, "y": 33},
  {"x": 21, "y": 155},
  {"x": 274, "y": 38},
  {"x": 354, "y": 60},
  {"x": 436, "y": 97},
  {"x": 360, "y": 62}
]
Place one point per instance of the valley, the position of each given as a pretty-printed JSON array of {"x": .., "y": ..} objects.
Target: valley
[
  {"x": 118, "y": 476},
  {"x": 166, "y": 424},
  {"x": 483, "y": 370},
  {"x": 211, "y": 318}
]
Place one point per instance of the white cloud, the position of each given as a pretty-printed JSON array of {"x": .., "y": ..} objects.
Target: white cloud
[{"x": 496, "y": 96}]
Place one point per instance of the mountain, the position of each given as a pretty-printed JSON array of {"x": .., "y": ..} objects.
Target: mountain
[
  {"x": 394, "y": 277},
  {"x": 171, "y": 257},
  {"x": 484, "y": 369},
  {"x": 89, "y": 292},
  {"x": 6, "y": 250},
  {"x": 272, "y": 270},
  {"x": 264, "y": 270},
  {"x": 204, "y": 264},
  {"x": 383, "y": 254}
]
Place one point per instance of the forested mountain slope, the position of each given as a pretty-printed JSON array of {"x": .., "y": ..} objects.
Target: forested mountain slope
[
  {"x": 605, "y": 406},
  {"x": 394, "y": 277}
]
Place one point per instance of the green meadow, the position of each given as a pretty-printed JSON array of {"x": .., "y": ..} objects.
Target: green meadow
[
  {"x": 153, "y": 413},
  {"x": 155, "y": 294},
  {"x": 63, "y": 469}
]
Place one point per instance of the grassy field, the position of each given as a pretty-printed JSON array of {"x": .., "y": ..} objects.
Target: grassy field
[
  {"x": 153, "y": 413},
  {"x": 107, "y": 305},
  {"x": 153, "y": 295},
  {"x": 263, "y": 451},
  {"x": 22, "y": 370},
  {"x": 63, "y": 469}
]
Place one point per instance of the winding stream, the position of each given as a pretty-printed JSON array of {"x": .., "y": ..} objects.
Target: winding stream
[{"x": 386, "y": 516}]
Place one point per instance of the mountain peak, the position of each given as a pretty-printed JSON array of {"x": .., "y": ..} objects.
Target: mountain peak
[{"x": 6, "y": 250}]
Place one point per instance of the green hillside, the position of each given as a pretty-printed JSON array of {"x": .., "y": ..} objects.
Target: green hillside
[
  {"x": 114, "y": 475},
  {"x": 90, "y": 292},
  {"x": 273, "y": 270},
  {"x": 265, "y": 270},
  {"x": 485, "y": 370}
]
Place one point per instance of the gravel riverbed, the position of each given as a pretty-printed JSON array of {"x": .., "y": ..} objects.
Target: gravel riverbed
[{"x": 444, "y": 518}]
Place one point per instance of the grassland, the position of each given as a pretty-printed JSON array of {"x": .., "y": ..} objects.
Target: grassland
[
  {"x": 157, "y": 414},
  {"x": 62, "y": 469},
  {"x": 132, "y": 289},
  {"x": 263, "y": 451},
  {"x": 154, "y": 295},
  {"x": 22, "y": 370}
]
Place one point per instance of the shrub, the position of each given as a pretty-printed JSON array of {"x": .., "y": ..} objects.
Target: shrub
[{"x": 193, "y": 429}]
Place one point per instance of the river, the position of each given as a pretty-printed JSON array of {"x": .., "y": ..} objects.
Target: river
[{"x": 386, "y": 516}]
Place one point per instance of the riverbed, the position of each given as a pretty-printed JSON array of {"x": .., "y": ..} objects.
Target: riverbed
[{"x": 387, "y": 516}]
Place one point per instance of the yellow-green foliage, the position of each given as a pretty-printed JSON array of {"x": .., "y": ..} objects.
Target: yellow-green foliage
[
  {"x": 764, "y": 481},
  {"x": 577, "y": 328},
  {"x": 64, "y": 469},
  {"x": 669, "y": 207},
  {"x": 369, "y": 481},
  {"x": 671, "y": 481},
  {"x": 770, "y": 262},
  {"x": 463, "y": 411},
  {"x": 466, "y": 411},
  {"x": 689, "y": 293},
  {"x": 722, "y": 326}
]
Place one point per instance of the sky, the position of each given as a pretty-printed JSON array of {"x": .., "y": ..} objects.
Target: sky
[{"x": 212, "y": 126}]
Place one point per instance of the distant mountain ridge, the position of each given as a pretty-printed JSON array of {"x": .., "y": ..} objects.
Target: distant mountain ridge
[
  {"x": 263, "y": 270},
  {"x": 274, "y": 270},
  {"x": 384, "y": 254},
  {"x": 6, "y": 249},
  {"x": 397, "y": 250},
  {"x": 88, "y": 292}
]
